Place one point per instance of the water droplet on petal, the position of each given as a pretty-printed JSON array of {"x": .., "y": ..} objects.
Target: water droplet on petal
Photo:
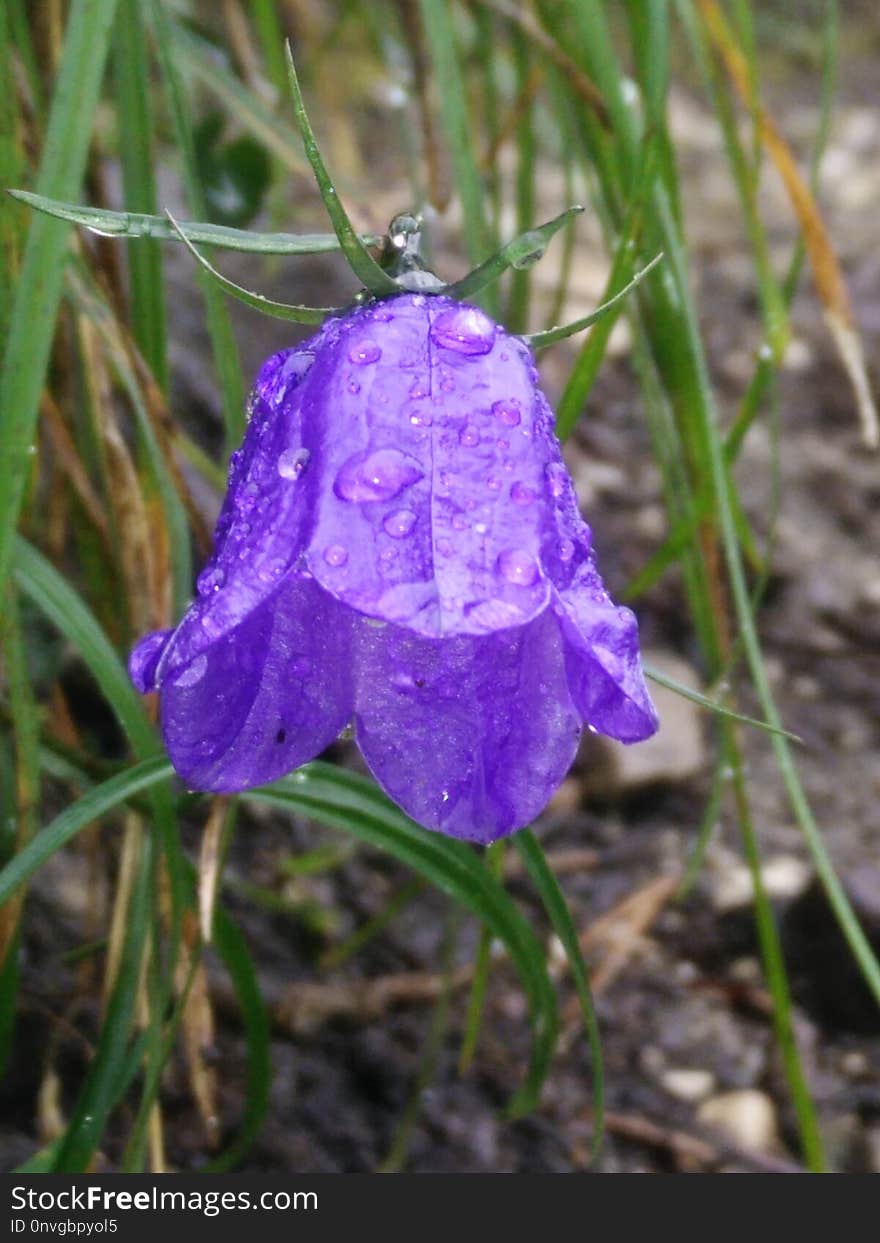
[
  {"x": 464, "y": 329},
  {"x": 399, "y": 523},
  {"x": 421, "y": 420},
  {"x": 566, "y": 549},
  {"x": 493, "y": 484},
  {"x": 469, "y": 436},
  {"x": 507, "y": 411},
  {"x": 521, "y": 493},
  {"x": 292, "y": 463},
  {"x": 365, "y": 352},
  {"x": 210, "y": 580},
  {"x": 335, "y": 555},
  {"x": 377, "y": 476},
  {"x": 417, "y": 390},
  {"x": 518, "y": 566},
  {"x": 382, "y": 315}
]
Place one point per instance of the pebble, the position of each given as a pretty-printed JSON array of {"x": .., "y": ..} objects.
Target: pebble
[
  {"x": 688, "y": 1084},
  {"x": 747, "y": 1117}
]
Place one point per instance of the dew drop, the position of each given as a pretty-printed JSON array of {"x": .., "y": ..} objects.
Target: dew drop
[
  {"x": 335, "y": 555},
  {"x": 377, "y": 476},
  {"x": 507, "y": 411},
  {"x": 518, "y": 566},
  {"x": 521, "y": 493},
  {"x": 421, "y": 420},
  {"x": 493, "y": 484},
  {"x": 399, "y": 523},
  {"x": 382, "y": 315},
  {"x": 465, "y": 330},
  {"x": 210, "y": 580},
  {"x": 365, "y": 352},
  {"x": 292, "y": 463},
  {"x": 469, "y": 436},
  {"x": 417, "y": 390},
  {"x": 566, "y": 549}
]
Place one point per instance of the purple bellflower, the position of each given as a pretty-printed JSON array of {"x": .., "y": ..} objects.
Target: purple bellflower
[{"x": 400, "y": 547}]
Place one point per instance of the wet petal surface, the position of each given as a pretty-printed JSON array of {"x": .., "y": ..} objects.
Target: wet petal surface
[
  {"x": 261, "y": 528},
  {"x": 469, "y": 735},
  {"x": 263, "y": 698},
  {"x": 602, "y": 660},
  {"x": 431, "y": 469}
]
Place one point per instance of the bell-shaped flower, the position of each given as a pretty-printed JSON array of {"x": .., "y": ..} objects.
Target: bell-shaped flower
[{"x": 400, "y": 548}]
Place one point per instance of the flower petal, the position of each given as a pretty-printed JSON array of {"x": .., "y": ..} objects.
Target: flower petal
[
  {"x": 602, "y": 659},
  {"x": 469, "y": 735},
  {"x": 429, "y": 514},
  {"x": 260, "y": 532},
  {"x": 264, "y": 697}
]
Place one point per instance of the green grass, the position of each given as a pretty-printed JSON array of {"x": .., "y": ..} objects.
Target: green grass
[{"x": 548, "y": 87}]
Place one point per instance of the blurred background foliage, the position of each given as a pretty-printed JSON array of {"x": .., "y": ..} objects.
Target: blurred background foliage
[{"x": 122, "y": 396}]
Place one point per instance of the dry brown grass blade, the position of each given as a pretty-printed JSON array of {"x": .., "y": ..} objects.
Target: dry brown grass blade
[
  {"x": 209, "y": 866},
  {"x": 827, "y": 273},
  {"x": 620, "y": 932},
  {"x": 137, "y": 544},
  {"x": 305, "y": 1006},
  {"x": 132, "y": 841},
  {"x": 68, "y": 459},
  {"x": 198, "y": 1030}
]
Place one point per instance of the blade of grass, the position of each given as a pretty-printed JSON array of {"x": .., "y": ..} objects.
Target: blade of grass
[
  {"x": 563, "y": 925},
  {"x": 90, "y": 807},
  {"x": 233, "y": 950},
  {"x": 361, "y": 262},
  {"x": 38, "y": 292},
  {"x": 437, "y": 18},
  {"x": 131, "y": 80},
  {"x": 225, "y": 351}
]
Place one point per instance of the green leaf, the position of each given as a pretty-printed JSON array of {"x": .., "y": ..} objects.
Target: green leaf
[
  {"x": 539, "y": 340},
  {"x": 525, "y": 249},
  {"x": 137, "y": 224},
  {"x": 278, "y": 310}
]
